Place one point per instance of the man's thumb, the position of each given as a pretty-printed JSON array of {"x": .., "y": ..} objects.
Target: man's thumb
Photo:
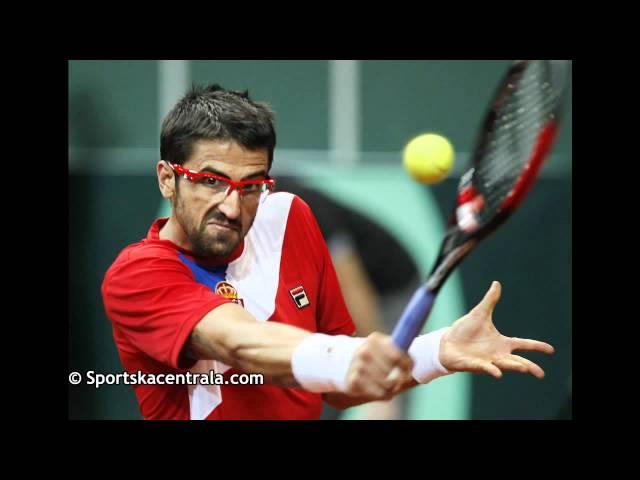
[{"x": 491, "y": 298}]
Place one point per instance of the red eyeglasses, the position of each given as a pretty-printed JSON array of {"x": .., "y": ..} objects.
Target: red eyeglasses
[{"x": 216, "y": 184}]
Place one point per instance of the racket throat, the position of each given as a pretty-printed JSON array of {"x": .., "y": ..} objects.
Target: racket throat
[{"x": 443, "y": 268}]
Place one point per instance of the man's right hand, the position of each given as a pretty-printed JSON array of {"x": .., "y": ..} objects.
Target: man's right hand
[{"x": 370, "y": 372}]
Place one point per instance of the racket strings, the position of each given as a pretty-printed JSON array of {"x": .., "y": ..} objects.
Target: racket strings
[{"x": 509, "y": 144}]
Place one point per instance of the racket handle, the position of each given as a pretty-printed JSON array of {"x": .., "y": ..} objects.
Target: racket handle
[{"x": 413, "y": 318}]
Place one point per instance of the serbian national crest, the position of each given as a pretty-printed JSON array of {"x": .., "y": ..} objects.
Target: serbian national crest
[{"x": 226, "y": 290}]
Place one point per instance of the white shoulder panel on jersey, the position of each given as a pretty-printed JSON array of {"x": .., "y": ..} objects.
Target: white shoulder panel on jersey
[{"x": 255, "y": 275}]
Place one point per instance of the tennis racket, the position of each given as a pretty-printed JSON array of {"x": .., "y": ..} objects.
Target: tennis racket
[{"x": 515, "y": 138}]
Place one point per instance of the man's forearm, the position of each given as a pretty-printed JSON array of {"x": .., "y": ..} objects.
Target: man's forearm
[
  {"x": 292, "y": 357},
  {"x": 232, "y": 335}
]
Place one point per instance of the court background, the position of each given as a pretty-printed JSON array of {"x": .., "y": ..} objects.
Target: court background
[{"x": 341, "y": 127}]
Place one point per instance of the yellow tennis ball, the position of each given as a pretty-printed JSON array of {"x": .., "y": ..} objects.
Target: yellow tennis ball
[{"x": 428, "y": 158}]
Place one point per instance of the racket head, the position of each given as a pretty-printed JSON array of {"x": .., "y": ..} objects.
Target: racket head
[{"x": 515, "y": 138}]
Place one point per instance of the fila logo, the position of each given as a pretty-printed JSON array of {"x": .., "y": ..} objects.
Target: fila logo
[{"x": 299, "y": 296}]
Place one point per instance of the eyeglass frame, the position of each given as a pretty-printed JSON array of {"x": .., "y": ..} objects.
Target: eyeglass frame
[{"x": 232, "y": 185}]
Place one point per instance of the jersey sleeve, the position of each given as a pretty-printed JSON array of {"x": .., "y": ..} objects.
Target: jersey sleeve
[{"x": 152, "y": 298}]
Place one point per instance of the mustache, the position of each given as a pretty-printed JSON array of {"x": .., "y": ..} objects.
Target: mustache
[{"x": 220, "y": 218}]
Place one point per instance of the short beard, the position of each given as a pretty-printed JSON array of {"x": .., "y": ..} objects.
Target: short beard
[
  {"x": 207, "y": 246},
  {"x": 204, "y": 244}
]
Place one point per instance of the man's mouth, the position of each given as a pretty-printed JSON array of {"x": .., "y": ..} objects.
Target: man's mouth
[{"x": 223, "y": 226}]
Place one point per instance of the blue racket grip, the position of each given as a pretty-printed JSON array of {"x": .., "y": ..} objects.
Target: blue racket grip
[{"x": 413, "y": 318}]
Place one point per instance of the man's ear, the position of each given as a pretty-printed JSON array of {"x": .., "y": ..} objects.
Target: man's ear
[{"x": 166, "y": 179}]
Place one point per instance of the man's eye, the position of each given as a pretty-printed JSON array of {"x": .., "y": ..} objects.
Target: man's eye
[
  {"x": 212, "y": 182},
  {"x": 252, "y": 187}
]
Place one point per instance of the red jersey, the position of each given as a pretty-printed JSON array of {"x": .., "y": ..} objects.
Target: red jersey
[{"x": 155, "y": 293}]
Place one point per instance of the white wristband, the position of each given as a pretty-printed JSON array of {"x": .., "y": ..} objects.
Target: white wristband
[
  {"x": 320, "y": 362},
  {"x": 424, "y": 351}
]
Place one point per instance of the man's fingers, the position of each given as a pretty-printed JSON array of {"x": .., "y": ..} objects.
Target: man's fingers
[
  {"x": 482, "y": 366},
  {"x": 389, "y": 381},
  {"x": 382, "y": 361},
  {"x": 492, "y": 370},
  {"x": 380, "y": 367},
  {"x": 517, "y": 363},
  {"x": 380, "y": 349},
  {"x": 511, "y": 364},
  {"x": 394, "y": 375},
  {"x": 525, "y": 344},
  {"x": 361, "y": 383},
  {"x": 532, "y": 368},
  {"x": 401, "y": 373}
]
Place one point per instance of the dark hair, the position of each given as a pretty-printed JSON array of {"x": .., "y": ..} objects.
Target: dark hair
[{"x": 211, "y": 113}]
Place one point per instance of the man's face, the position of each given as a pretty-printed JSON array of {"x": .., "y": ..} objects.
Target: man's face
[{"x": 215, "y": 224}]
